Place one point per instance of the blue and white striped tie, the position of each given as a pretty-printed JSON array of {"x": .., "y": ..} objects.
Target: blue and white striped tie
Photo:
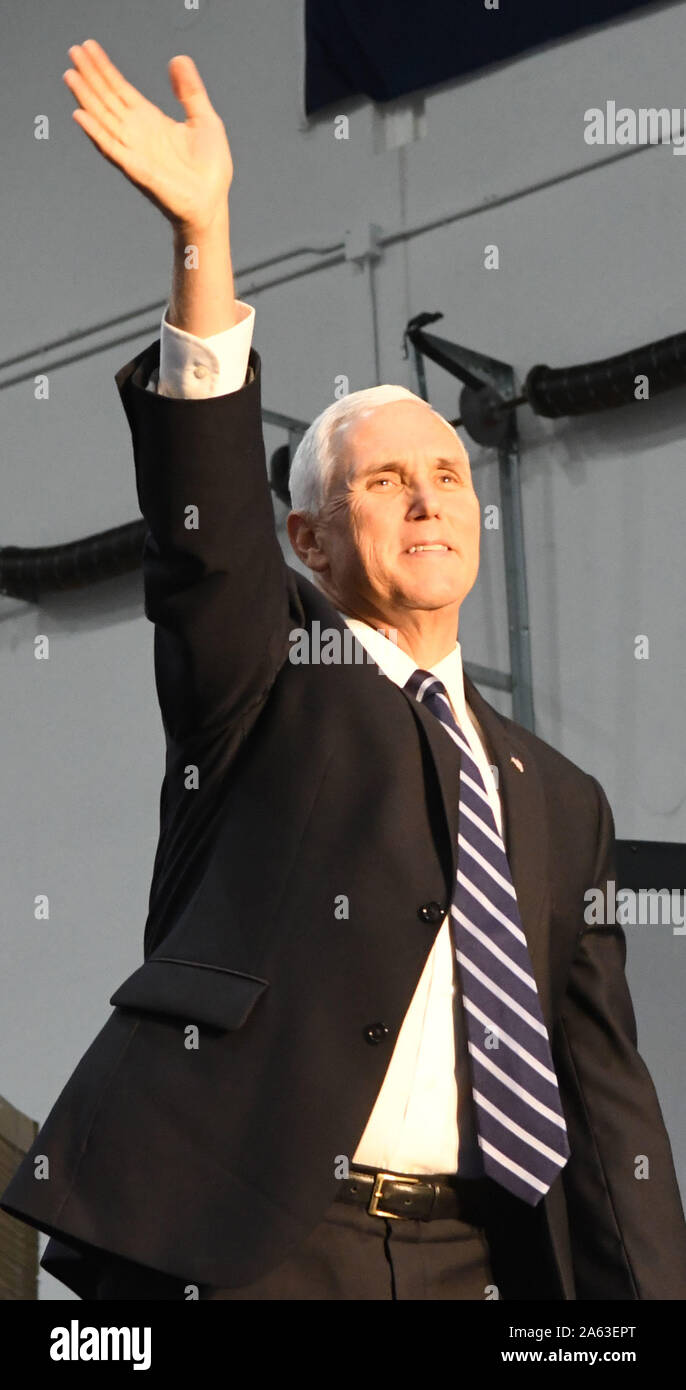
[{"x": 521, "y": 1128}]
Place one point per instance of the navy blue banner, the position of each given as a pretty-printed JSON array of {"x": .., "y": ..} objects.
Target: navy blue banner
[{"x": 385, "y": 48}]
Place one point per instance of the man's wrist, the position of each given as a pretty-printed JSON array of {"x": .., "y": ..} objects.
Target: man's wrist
[
  {"x": 214, "y": 229},
  {"x": 202, "y": 300}
]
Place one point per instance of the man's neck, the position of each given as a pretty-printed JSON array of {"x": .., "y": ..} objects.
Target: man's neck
[{"x": 426, "y": 637}]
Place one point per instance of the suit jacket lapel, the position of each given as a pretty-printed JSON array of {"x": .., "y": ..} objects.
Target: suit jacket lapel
[
  {"x": 522, "y": 796},
  {"x": 446, "y": 755}
]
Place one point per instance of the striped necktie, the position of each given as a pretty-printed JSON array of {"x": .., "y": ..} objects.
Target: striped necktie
[{"x": 521, "y": 1128}]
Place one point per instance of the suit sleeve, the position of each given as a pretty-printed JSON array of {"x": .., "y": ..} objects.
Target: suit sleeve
[
  {"x": 625, "y": 1214},
  {"x": 215, "y": 579}
]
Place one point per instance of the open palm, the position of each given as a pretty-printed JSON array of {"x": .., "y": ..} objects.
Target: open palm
[{"x": 184, "y": 167}]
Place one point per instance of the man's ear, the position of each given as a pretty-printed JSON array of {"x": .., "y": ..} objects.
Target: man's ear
[
  {"x": 299, "y": 533},
  {"x": 292, "y": 526},
  {"x": 303, "y": 540}
]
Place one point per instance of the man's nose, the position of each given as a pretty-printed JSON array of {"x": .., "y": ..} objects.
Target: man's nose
[{"x": 425, "y": 499}]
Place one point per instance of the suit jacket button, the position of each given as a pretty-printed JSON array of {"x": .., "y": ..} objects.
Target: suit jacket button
[
  {"x": 431, "y": 913},
  {"x": 375, "y": 1032}
]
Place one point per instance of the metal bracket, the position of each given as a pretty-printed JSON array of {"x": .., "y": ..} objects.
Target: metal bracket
[{"x": 362, "y": 242}]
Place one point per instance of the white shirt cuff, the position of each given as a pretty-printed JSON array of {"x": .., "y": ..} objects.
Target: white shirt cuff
[{"x": 196, "y": 368}]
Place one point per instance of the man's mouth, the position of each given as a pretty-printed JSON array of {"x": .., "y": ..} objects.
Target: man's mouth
[{"x": 430, "y": 546}]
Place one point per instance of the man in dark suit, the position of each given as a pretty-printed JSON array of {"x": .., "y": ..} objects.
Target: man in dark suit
[{"x": 375, "y": 1049}]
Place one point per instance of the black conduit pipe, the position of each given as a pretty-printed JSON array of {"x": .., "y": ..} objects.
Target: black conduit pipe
[{"x": 602, "y": 385}]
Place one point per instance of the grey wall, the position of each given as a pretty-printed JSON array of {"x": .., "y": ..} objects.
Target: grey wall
[{"x": 591, "y": 264}]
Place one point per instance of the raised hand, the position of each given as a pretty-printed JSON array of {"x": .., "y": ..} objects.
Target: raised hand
[{"x": 184, "y": 167}]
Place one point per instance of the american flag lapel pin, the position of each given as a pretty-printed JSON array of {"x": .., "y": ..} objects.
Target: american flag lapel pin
[{"x": 517, "y": 762}]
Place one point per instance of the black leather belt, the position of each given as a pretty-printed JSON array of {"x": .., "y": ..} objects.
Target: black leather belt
[{"x": 415, "y": 1197}]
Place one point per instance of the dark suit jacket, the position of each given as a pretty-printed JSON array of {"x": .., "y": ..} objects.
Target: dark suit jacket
[{"x": 316, "y": 780}]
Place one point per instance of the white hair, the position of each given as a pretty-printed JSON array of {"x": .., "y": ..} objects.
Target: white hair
[{"x": 315, "y": 457}]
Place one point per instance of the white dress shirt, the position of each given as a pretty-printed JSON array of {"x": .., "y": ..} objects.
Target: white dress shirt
[{"x": 422, "y": 1120}]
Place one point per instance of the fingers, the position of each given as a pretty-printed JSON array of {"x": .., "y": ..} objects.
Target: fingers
[
  {"x": 110, "y": 147},
  {"x": 91, "y": 74},
  {"x": 108, "y": 74},
  {"x": 91, "y": 103},
  {"x": 188, "y": 86}
]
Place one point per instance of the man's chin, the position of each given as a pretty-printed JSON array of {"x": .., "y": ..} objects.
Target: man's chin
[{"x": 429, "y": 597}]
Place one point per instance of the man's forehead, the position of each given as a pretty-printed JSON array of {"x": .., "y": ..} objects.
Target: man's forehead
[
  {"x": 382, "y": 435},
  {"x": 389, "y": 422}
]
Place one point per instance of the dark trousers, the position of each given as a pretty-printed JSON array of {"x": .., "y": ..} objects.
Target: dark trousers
[{"x": 348, "y": 1255}]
